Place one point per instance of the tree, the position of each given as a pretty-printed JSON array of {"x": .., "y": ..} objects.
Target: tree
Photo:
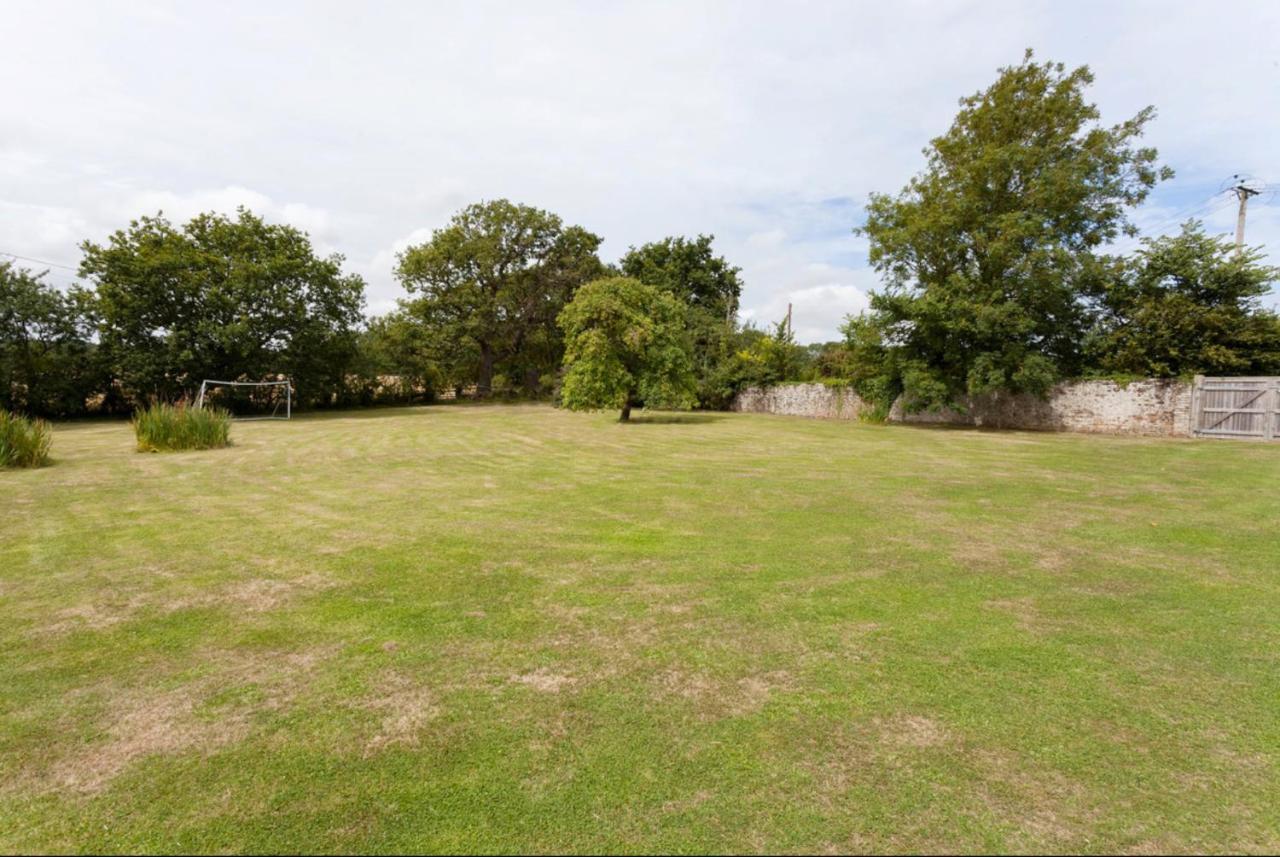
[
  {"x": 825, "y": 360},
  {"x": 496, "y": 279},
  {"x": 49, "y": 364},
  {"x": 870, "y": 365},
  {"x": 222, "y": 298},
  {"x": 768, "y": 357},
  {"x": 782, "y": 356},
  {"x": 398, "y": 359},
  {"x": 709, "y": 288},
  {"x": 988, "y": 253},
  {"x": 690, "y": 270},
  {"x": 625, "y": 346},
  {"x": 1189, "y": 304}
]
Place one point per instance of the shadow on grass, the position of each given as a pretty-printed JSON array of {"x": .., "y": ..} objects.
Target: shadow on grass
[
  {"x": 371, "y": 412},
  {"x": 400, "y": 409},
  {"x": 674, "y": 419}
]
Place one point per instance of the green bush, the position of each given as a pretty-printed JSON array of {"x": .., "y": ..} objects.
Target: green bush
[
  {"x": 163, "y": 427},
  {"x": 24, "y": 442}
]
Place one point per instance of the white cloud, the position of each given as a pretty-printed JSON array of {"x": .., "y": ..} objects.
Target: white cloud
[
  {"x": 817, "y": 312},
  {"x": 764, "y": 124},
  {"x": 770, "y": 239}
]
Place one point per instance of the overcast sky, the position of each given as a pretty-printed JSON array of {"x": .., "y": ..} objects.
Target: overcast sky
[{"x": 367, "y": 124}]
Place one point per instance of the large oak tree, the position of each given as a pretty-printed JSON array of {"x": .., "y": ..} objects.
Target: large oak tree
[{"x": 496, "y": 277}]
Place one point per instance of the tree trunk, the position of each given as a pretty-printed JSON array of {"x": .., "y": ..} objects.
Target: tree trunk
[
  {"x": 484, "y": 383},
  {"x": 625, "y": 416}
]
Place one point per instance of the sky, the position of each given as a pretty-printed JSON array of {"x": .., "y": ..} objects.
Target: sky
[{"x": 765, "y": 124}]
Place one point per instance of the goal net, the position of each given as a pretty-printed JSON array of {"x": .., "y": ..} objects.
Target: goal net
[{"x": 249, "y": 400}]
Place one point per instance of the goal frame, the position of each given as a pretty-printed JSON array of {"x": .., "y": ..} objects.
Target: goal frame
[{"x": 288, "y": 396}]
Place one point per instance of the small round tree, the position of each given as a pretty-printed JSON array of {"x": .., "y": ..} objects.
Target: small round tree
[{"x": 626, "y": 345}]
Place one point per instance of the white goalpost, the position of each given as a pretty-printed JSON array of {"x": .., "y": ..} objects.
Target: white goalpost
[{"x": 276, "y": 402}]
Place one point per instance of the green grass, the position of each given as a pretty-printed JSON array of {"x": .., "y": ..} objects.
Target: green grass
[
  {"x": 171, "y": 428},
  {"x": 24, "y": 442},
  {"x": 518, "y": 629}
]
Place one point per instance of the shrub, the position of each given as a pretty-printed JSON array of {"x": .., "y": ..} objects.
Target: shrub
[
  {"x": 24, "y": 442},
  {"x": 876, "y": 412},
  {"x": 164, "y": 427}
]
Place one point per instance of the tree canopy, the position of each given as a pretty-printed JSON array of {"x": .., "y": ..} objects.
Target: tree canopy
[
  {"x": 987, "y": 254},
  {"x": 396, "y": 350},
  {"x": 1189, "y": 304},
  {"x": 626, "y": 345},
  {"x": 225, "y": 298},
  {"x": 47, "y": 360},
  {"x": 690, "y": 270},
  {"x": 495, "y": 278},
  {"x": 709, "y": 288}
]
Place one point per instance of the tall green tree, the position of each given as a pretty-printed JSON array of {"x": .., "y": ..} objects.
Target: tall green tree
[
  {"x": 626, "y": 345},
  {"x": 1189, "y": 304},
  {"x": 987, "y": 254},
  {"x": 496, "y": 278},
  {"x": 709, "y": 287},
  {"x": 49, "y": 365},
  {"x": 222, "y": 297}
]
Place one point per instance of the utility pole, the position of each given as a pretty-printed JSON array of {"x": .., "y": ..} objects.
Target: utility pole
[
  {"x": 788, "y": 317},
  {"x": 1242, "y": 193}
]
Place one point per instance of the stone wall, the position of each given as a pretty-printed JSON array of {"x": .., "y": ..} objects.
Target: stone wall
[
  {"x": 1153, "y": 408},
  {"x": 800, "y": 400}
]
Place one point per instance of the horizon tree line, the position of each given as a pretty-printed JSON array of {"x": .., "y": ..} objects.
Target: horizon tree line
[{"x": 994, "y": 261}]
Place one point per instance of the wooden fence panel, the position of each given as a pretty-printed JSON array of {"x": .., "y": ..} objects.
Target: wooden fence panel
[{"x": 1246, "y": 408}]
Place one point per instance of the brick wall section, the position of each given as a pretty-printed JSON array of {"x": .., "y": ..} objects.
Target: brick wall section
[{"x": 1152, "y": 408}]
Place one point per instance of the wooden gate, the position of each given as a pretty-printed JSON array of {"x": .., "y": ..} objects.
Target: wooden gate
[{"x": 1247, "y": 408}]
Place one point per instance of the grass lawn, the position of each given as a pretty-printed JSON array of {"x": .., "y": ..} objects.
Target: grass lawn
[{"x": 520, "y": 629}]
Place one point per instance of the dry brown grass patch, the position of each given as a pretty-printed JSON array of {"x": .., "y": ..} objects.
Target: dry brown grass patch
[
  {"x": 1024, "y": 613},
  {"x": 714, "y": 697},
  {"x": 144, "y": 724},
  {"x": 251, "y": 595},
  {"x": 406, "y": 706},
  {"x": 1045, "y": 808},
  {"x": 912, "y": 731},
  {"x": 543, "y": 680},
  {"x": 139, "y": 722}
]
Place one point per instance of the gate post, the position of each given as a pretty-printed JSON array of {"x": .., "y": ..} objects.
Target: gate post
[
  {"x": 1270, "y": 410},
  {"x": 1196, "y": 397}
]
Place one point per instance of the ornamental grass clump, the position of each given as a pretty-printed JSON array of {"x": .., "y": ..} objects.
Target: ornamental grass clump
[
  {"x": 165, "y": 428},
  {"x": 24, "y": 442}
]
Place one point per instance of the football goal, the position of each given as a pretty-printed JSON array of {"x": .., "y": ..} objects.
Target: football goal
[{"x": 249, "y": 400}]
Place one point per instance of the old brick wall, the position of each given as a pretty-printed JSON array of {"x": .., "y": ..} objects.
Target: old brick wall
[{"x": 1153, "y": 408}]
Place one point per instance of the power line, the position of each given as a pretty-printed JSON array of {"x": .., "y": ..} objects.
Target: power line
[
  {"x": 1209, "y": 206},
  {"x": 1230, "y": 189},
  {"x": 38, "y": 261}
]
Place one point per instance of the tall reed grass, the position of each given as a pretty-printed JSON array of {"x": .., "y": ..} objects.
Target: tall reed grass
[
  {"x": 24, "y": 442},
  {"x": 162, "y": 428}
]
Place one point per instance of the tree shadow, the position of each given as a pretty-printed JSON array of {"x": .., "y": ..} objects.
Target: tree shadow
[
  {"x": 392, "y": 409},
  {"x": 664, "y": 419}
]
